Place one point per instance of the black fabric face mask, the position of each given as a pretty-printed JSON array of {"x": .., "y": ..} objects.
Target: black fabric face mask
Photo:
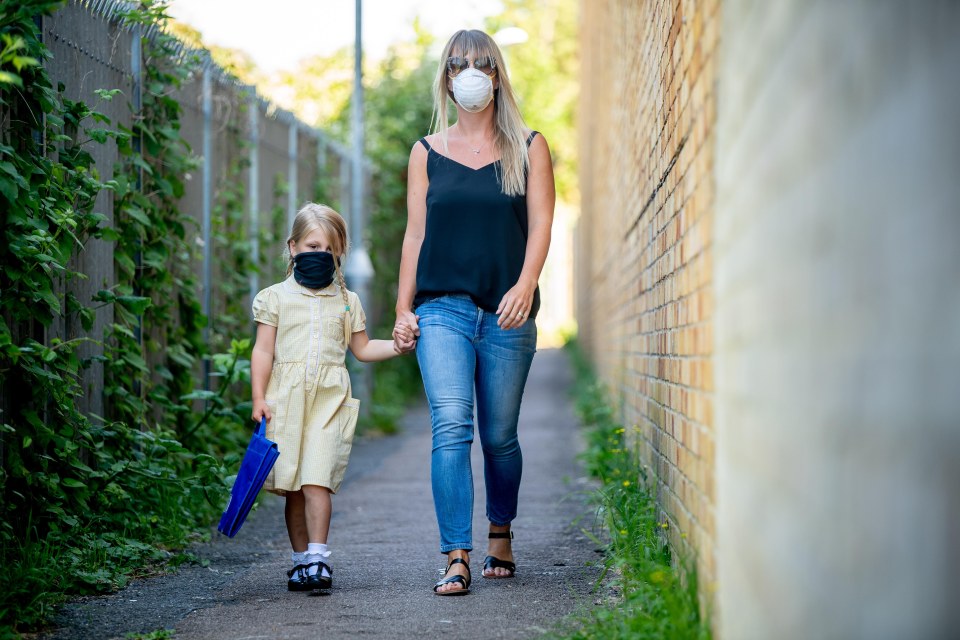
[{"x": 313, "y": 269}]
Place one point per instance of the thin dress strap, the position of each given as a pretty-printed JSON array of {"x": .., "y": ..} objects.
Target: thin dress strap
[
  {"x": 531, "y": 137},
  {"x": 426, "y": 144}
]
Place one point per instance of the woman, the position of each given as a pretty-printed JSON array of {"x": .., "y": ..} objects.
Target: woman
[{"x": 480, "y": 204}]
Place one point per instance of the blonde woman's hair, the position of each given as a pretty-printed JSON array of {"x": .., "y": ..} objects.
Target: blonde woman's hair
[
  {"x": 510, "y": 137},
  {"x": 319, "y": 216}
]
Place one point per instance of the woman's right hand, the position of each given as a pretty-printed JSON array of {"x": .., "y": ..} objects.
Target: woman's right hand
[{"x": 261, "y": 410}]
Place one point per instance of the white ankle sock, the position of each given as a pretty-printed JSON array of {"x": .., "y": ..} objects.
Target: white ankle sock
[
  {"x": 317, "y": 552},
  {"x": 297, "y": 557}
]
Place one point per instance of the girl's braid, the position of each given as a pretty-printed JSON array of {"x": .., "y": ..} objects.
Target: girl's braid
[{"x": 347, "y": 325}]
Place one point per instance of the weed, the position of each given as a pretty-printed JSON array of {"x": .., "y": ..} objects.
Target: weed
[
  {"x": 647, "y": 593},
  {"x": 159, "y": 634}
]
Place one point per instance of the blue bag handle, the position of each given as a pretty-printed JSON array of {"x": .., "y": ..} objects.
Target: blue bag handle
[{"x": 262, "y": 427}]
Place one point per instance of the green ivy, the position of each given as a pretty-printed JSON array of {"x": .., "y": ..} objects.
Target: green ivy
[
  {"x": 48, "y": 185},
  {"x": 232, "y": 254},
  {"x": 153, "y": 254},
  {"x": 86, "y": 500}
]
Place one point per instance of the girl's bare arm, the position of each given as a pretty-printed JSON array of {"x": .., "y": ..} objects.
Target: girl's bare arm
[
  {"x": 366, "y": 350},
  {"x": 261, "y": 364}
]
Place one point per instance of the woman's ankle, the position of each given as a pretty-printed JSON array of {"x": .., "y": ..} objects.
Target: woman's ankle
[{"x": 458, "y": 553}]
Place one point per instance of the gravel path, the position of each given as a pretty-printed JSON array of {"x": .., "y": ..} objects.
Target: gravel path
[{"x": 385, "y": 559}]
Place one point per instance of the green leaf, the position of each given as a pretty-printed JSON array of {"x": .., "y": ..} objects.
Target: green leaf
[
  {"x": 135, "y": 304},
  {"x": 200, "y": 394},
  {"x": 9, "y": 190},
  {"x": 98, "y": 135},
  {"x": 125, "y": 262},
  {"x": 105, "y": 295},
  {"x": 51, "y": 300},
  {"x": 24, "y": 61},
  {"x": 8, "y": 78},
  {"x": 73, "y": 483},
  {"x": 138, "y": 214},
  {"x": 108, "y": 233},
  {"x": 11, "y": 171}
]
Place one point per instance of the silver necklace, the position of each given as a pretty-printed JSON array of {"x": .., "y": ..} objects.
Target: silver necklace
[{"x": 477, "y": 151}]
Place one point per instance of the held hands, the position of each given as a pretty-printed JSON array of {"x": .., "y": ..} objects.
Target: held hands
[
  {"x": 403, "y": 350},
  {"x": 514, "y": 309},
  {"x": 261, "y": 410},
  {"x": 405, "y": 332}
]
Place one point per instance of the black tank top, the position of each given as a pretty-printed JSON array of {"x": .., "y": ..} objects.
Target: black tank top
[{"x": 475, "y": 238}]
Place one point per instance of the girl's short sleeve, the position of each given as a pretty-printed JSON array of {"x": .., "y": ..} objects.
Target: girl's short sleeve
[
  {"x": 266, "y": 308},
  {"x": 358, "y": 319}
]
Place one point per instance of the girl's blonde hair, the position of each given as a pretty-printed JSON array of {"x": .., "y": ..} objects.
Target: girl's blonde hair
[
  {"x": 509, "y": 129},
  {"x": 319, "y": 216}
]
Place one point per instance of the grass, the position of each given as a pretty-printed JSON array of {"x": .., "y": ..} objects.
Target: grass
[
  {"x": 40, "y": 574},
  {"x": 23, "y": 585},
  {"x": 645, "y": 592},
  {"x": 167, "y": 511},
  {"x": 159, "y": 634}
]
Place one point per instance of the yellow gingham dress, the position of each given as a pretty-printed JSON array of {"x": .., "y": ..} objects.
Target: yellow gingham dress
[{"x": 314, "y": 415}]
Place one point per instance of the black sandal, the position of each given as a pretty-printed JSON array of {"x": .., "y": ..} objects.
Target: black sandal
[
  {"x": 490, "y": 562},
  {"x": 317, "y": 580},
  {"x": 464, "y": 580}
]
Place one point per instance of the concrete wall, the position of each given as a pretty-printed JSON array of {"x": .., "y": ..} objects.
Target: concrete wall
[
  {"x": 837, "y": 327},
  {"x": 768, "y": 278}
]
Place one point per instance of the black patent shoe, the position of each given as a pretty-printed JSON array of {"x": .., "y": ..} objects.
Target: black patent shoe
[
  {"x": 298, "y": 579},
  {"x": 318, "y": 580}
]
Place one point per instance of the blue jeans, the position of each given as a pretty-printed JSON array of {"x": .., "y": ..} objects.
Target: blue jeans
[{"x": 461, "y": 349}]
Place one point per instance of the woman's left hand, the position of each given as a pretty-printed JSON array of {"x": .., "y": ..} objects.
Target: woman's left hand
[
  {"x": 514, "y": 309},
  {"x": 404, "y": 337}
]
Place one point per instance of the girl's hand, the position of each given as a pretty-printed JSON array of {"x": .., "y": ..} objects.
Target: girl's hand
[
  {"x": 406, "y": 331},
  {"x": 514, "y": 309},
  {"x": 261, "y": 410},
  {"x": 405, "y": 349}
]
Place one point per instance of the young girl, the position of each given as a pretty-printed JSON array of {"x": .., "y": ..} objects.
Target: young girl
[{"x": 301, "y": 385}]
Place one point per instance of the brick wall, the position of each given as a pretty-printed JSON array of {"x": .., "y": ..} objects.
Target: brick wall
[{"x": 644, "y": 264}]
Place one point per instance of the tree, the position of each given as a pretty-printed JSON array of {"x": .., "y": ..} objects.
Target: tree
[{"x": 544, "y": 72}]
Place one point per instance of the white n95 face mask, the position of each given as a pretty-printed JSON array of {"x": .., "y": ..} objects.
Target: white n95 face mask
[{"x": 473, "y": 90}]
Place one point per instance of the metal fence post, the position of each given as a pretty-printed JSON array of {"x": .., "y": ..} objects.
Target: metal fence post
[
  {"x": 136, "y": 73},
  {"x": 207, "y": 213},
  {"x": 321, "y": 153},
  {"x": 254, "y": 192},
  {"x": 291, "y": 174},
  {"x": 359, "y": 268}
]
